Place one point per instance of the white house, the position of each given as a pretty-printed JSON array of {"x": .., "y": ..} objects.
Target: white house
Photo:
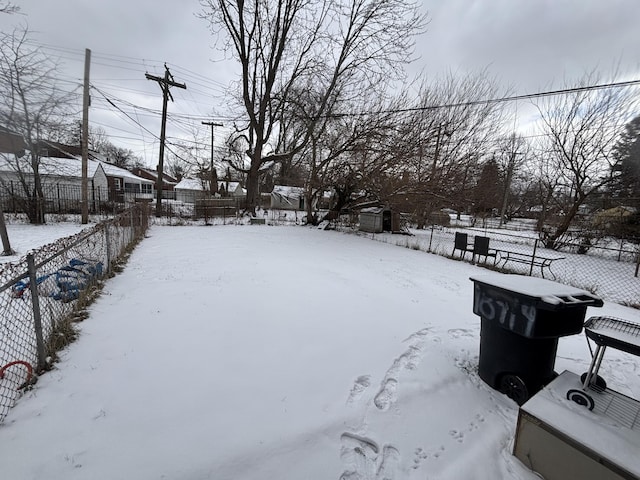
[
  {"x": 61, "y": 180},
  {"x": 124, "y": 186}
]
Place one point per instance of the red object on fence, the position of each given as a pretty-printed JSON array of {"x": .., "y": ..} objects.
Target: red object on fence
[{"x": 19, "y": 362}]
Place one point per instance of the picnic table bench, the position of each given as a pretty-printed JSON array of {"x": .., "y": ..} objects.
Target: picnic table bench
[{"x": 505, "y": 256}]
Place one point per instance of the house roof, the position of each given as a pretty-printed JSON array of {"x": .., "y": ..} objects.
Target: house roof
[
  {"x": 113, "y": 171},
  {"x": 375, "y": 210},
  {"x": 192, "y": 184},
  {"x": 70, "y": 167},
  {"x": 287, "y": 191},
  {"x": 154, "y": 174},
  {"x": 232, "y": 186},
  {"x": 200, "y": 185}
]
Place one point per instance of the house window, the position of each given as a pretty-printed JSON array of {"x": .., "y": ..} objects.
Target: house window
[
  {"x": 132, "y": 187},
  {"x": 146, "y": 188},
  {"x": 117, "y": 183}
]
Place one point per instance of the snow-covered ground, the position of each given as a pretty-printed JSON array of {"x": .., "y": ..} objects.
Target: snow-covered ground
[
  {"x": 258, "y": 352},
  {"x": 24, "y": 236}
]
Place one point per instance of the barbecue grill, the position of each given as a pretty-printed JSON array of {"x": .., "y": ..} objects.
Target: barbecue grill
[{"x": 618, "y": 334}]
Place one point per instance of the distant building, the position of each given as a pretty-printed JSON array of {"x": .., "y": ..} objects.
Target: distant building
[
  {"x": 378, "y": 220},
  {"x": 61, "y": 180},
  {"x": 168, "y": 182},
  {"x": 231, "y": 189},
  {"x": 287, "y": 198},
  {"x": 188, "y": 190}
]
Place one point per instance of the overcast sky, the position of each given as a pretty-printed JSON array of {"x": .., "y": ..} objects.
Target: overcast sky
[{"x": 531, "y": 45}]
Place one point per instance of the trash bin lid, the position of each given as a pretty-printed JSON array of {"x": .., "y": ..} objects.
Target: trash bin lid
[{"x": 547, "y": 291}]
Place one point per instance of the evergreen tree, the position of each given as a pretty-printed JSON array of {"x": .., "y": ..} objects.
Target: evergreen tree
[
  {"x": 626, "y": 169},
  {"x": 487, "y": 194}
]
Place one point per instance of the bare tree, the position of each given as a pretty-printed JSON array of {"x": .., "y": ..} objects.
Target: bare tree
[
  {"x": 346, "y": 151},
  {"x": 120, "y": 157},
  {"x": 444, "y": 136},
  {"x": 186, "y": 159},
  {"x": 8, "y": 7},
  {"x": 71, "y": 134},
  {"x": 31, "y": 107},
  {"x": 178, "y": 167},
  {"x": 330, "y": 48},
  {"x": 580, "y": 130},
  {"x": 513, "y": 153}
]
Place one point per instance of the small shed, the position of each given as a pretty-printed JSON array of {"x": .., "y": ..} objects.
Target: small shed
[
  {"x": 379, "y": 219},
  {"x": 287, "y": 198},
  {"x": 188, "y": 190}
]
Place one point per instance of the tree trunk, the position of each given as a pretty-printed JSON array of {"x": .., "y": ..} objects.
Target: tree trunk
[
  {"x": 6, "y": 245},
  {"x": 551, "y": 240},
  {"x": 253, "y": 190},
  {"x": 311, "y": 218}
]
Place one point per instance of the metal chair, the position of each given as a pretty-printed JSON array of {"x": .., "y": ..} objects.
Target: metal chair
[
  {"x": 461, "y": 242},
  {"x": 481, "y": 249}
]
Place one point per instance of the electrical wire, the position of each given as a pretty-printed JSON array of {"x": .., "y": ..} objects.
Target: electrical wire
[
  {"x": 134, "y": 121},
  {"x": 185, "y": 121},
  {"x": 514, "y": 98}
]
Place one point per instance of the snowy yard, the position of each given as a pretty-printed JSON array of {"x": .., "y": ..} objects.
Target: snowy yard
[
  {"x": 257, "y": 352},
  {"x": 24, "y": 236}
]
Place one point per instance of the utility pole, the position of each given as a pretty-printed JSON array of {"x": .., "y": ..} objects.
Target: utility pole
[
  {"x": 164, "y": 83},
  {"x": 213, "y": 184},
  {"x": 86, "y": 99}
]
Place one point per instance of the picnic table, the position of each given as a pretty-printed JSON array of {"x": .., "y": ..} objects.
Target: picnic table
[{"x": 543, "y": 262}]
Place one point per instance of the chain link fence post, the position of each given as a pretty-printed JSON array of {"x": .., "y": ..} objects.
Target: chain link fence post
[
  {"x": 431, "y": 238},
  {"x": 533, "y": 256},
  {"x": 131, "y": 224},
  {"x": 107, "y": 245},
  {"x": 37, "y": 319}
]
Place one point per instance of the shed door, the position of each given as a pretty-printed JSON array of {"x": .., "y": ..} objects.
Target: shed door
[{"x": 386, "y": 221}]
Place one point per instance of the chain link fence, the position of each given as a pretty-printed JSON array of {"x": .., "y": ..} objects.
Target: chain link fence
[
  {"x": 67, "y": 199},
  {"x": 44, "y": 293},
  {"x": 609, "y": 269}
]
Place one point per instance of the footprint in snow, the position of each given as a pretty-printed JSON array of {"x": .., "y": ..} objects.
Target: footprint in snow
[
  {"x": 387, "y": 394},
  {"x": 363, "y": 460},
  {"x": 359, "y": 455},
  {"x": 459, "y": 436},
  {"x": 359, "y": 386},
  {"x": 389, "y": 464}
]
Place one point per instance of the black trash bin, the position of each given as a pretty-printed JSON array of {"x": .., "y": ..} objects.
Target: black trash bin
[{"x": 521, "y": 320}]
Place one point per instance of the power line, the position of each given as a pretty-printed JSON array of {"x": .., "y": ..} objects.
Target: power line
[
  {"x": 491, "y": 100},
  {"x": 134, "y": 121},
  {"x": 121, "y": 111}
]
